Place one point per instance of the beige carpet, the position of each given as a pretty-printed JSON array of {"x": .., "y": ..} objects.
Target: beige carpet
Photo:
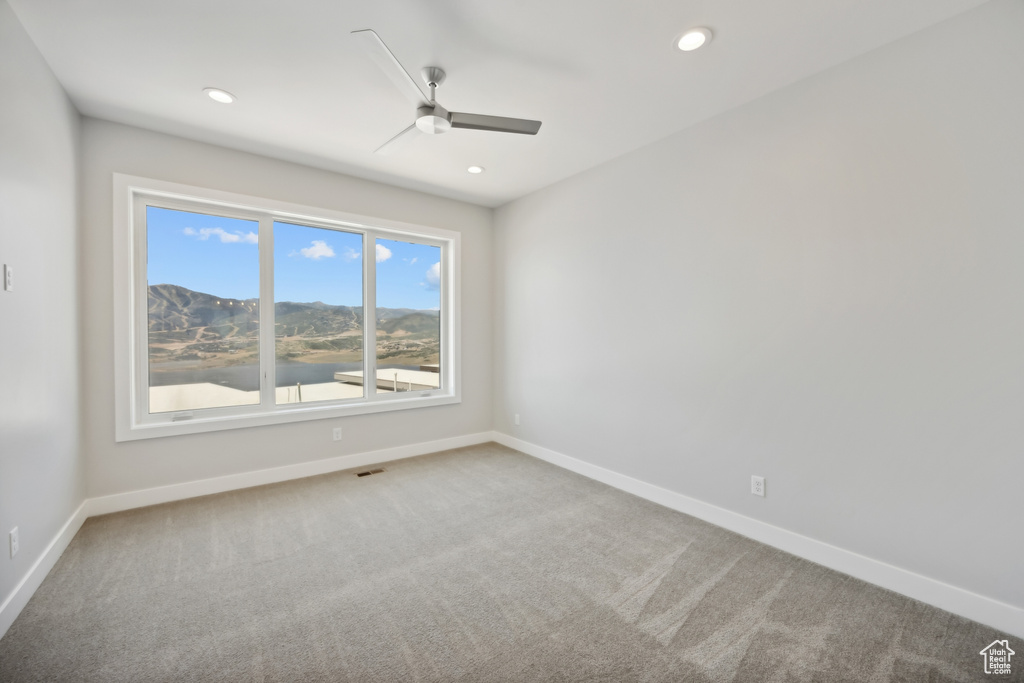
[{"x": 479, "y": 564}]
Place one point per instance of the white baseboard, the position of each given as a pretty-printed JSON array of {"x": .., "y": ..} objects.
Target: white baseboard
[
  {"x": 26, "y": 588},
  {"x": 204, "y": 487},
  {"x": 998, "y": 615}
]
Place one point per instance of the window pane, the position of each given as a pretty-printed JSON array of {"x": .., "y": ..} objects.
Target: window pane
[
  {"x": 203, "y": 312},
  {"x": 318, "y": 307},
  {"x": 408, "y": 316}
]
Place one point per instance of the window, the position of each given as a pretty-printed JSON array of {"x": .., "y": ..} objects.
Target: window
[
  {"x": 234, "y": 311},
  {"x": 202, "y": 310},
  {"x": 408, "y": 315},
  {"x": 318, "y": 313}
]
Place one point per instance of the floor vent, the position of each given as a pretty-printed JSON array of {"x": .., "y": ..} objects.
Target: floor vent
[{"x": 368, "y": 472}]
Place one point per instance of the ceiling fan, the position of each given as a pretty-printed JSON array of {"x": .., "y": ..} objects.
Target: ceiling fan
[{"x": 431, "y": 117}]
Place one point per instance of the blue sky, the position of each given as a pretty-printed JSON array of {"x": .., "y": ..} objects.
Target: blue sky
[{"x": 220, "y": 256}]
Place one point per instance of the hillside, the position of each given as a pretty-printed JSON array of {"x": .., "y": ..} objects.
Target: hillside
[
  {"x": 212, "y": 331},
  {"x": 175, "y": 313},
  {"x": 417, "y": 323}
]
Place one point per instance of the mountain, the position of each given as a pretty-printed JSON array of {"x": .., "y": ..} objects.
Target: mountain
[
  {"x": 389, "y": 313},
  {"x": 188, "y": 328},
  {"x": 176, "y": 314},
  {"x": 176, "y": 308},
  {"x": 417, "y": 323},
  {"x": 308, "y": 320}
]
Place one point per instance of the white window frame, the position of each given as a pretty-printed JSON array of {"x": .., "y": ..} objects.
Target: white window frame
[{"x": 133, "y": 419}]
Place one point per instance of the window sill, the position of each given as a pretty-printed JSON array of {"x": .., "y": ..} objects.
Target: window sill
[{"x": 281, "y": 415}]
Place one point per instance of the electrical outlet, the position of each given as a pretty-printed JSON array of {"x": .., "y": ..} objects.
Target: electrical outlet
[
  {"x": 8, "y": 278},
  {"x": 757, "y": 485},
  {"x": 517, "y": 419},
  {"x": 14, "y": 542},
  {"x": 337, "y": 433}
]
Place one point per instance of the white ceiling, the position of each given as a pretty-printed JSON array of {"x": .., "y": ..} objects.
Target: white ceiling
[{"x": 602, "y": 75}]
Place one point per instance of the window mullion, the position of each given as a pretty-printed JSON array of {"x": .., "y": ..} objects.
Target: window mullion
[
  {"x": 268, "y": 371},
  {"x": 445, "y": 319},
  {"x": 140, "y": 303},
  {"x": 369, "y": 314}
]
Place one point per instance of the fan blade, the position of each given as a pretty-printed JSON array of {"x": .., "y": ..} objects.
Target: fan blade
[
  {"x": 500, "y": 124},
  {"x": 398, "y": 141},
  {"x": 389, "y": 64}
]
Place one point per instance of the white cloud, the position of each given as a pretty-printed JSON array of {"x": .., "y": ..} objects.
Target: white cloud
[
  {"x": 226, "y": 237},
  {"x": 319, "y": 250},
  {"x": 351, "y": 254},
  {"x": 248, "y": 238},
  {"x": 434, "y": 276},
  {"x": 411, "y": 261},
  {"x": 383, "y": 253}
]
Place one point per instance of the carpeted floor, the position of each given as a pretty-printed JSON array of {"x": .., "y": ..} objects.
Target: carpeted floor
[{"x": 479, "y": 564}]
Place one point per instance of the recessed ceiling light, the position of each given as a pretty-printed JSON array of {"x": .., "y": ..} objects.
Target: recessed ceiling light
[
  {"x": 693, "y": 38},
  {"x": 218, "y": 95},
  {"x": 475, "y": 169}
]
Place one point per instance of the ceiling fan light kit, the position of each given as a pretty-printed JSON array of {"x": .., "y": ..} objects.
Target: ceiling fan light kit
[
  {"x": 433, "y": 120},
  {"x": 431, "y": 117}
]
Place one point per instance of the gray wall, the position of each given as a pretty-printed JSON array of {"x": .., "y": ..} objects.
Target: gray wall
[
  {"x": 120, "y": 467},
  {"x": 41, "y": 482},
  {"x": 823, "y": 287}
]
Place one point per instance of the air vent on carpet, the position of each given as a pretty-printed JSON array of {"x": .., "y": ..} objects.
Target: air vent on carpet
[{"x": 368, "y": 472}]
